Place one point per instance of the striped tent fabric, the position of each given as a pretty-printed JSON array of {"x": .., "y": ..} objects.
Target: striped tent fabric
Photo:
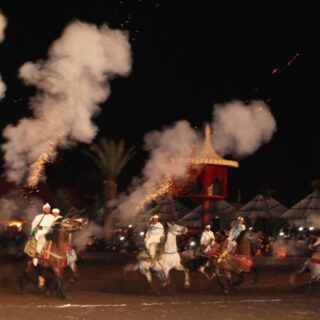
[
  {"x": 306, "y": 212},
  {"x": 262, "y": 206}
]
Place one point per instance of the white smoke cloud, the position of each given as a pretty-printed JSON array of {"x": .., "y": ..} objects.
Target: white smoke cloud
[
  {"x": 71, "y": 83},
  {"x": 3, "y": 88},
  {"x": 83, "y": 237},
  {"x": 170, "y": 152},
  {"x": 3, "y": 24},
  {"x": 240, "y": 129},
  {"x": 14, "y": 205}
]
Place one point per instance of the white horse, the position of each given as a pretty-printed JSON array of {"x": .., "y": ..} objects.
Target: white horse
[
  {"x": 169, "y": 260},
  {"x": 313, "y": 265}
]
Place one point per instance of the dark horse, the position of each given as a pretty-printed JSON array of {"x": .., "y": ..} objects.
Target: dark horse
[
  {"x": 236, "y": 263},
  {"x": 57, "y": 249}
]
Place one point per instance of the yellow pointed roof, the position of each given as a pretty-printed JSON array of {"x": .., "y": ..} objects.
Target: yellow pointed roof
[{"x": 208, "y": 154}]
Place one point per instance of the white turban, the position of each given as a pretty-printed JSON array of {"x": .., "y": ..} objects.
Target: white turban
[
  {"x": 55, "y": 210},
  {"x": 154, "y": 217},
  {"x": 47, "y": 205}
]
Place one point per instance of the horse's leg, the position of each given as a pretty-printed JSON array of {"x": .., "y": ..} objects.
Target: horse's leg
[
  {"x": 221, "y": 285},
  {"x": 75, "y": 273},
  {"x": 303, "y": 268},
  {"x": 130, "y": 268},
  {"x": 239, "y": 281},
  {"x": 202, "y": 270},
  {"x": 58, "y": 274},
  {"x": 255, "y": 273},
  {"x": 24, "y": 279},
  {"x": 180, "y": 267},
  {"x": 146, "y": 272}
]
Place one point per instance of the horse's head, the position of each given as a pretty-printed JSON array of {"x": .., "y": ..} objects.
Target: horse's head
[
  {"x": 254, "y": 238},
  {"x": 72, "y": 224},
  {"x": 176, "y": 229}
]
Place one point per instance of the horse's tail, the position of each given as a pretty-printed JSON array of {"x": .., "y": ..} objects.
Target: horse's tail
[
  {"x": 130, "y": 268},
  {"x": 303, "y": 268}
]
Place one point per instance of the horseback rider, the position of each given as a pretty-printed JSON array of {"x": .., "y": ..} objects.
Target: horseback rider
[
  {"x": 154, "y": 235},
  {"x": 207, "y": 239},
  {"x": 57, "y": 216},
  {"x": 233, "y": 236},
  {"x": 40, "y": 226}
]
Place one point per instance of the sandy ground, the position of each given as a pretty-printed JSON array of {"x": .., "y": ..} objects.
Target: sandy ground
[{"x": 103, "y": 293}]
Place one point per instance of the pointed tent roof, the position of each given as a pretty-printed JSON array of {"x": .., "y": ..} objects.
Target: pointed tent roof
[
  {"x": 219, "y": 208},
  {"x": 166, "y": 210},
  {"x": 169, "y": 211},
  {"x": 208, "y": 155},
  {"x": 307, "y": 210},
  {"x": 261, "y": 206}
]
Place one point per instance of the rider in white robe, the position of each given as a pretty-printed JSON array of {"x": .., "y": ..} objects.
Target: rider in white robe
[
  {"x": 233, "y": 236},
  {"x": 207, "y": 239},
  {"x": 153, "y": 237},
  {"x": 40, "y": 226}
]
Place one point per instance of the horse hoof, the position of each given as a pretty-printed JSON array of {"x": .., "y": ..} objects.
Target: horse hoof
[{"x": 154, "y": 291}]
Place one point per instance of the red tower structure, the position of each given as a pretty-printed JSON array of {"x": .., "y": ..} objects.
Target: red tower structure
[{"x": 211, "y": 178}]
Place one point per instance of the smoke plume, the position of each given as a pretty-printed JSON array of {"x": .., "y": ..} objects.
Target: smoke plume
[
  {"x": 240, "y": 129},
  {"x": 170, "y": 152},
  {"x": 14, "y": 205},
  {"x": 3, "y": 24},
  {"x": 83, "y": 237},
  {"x": 71, "y": 83}
]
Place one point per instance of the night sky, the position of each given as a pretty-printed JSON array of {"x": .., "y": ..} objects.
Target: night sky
[{"x": 187, "y": 56}]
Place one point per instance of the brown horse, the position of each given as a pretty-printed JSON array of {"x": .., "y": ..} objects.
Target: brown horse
[
  {"x": 57, "y": 249},
  {"x": 236, "y": 263}
]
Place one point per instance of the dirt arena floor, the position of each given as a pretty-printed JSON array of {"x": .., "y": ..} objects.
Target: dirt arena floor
[{"x": 103, "y": 293}]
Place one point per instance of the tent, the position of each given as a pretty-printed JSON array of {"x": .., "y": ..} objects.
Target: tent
[
  {"x": 167, "y": 210},
  {"x": 261, "y": 206},
  {"x": 219, "y": 208},
  {"x": 305, "y": 213}
]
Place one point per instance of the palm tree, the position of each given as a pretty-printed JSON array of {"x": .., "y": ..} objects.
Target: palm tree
[{"x": 111, "y": 157}]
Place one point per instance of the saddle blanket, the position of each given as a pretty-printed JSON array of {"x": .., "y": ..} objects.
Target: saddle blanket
[{"x": 243, "y": 261}]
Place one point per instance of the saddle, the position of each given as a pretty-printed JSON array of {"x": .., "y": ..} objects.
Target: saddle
[
  {"x": 144, "y": 254},
  {"x": 30, "y": 247}
]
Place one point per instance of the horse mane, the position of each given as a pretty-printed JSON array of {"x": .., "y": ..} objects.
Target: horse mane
[{"x": 55, "y": 231}]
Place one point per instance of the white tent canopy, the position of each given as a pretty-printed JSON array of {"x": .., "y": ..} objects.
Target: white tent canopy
[
  {"x": 166, "y": 210},
  {"x": 306, "y": 212},
  {"x": 262, "y": 206},
  {"x": 221, "y": 208}
]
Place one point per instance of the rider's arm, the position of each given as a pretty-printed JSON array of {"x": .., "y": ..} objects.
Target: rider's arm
[
  {"x": 202, "y": 239},
  {"x": 34, "y": 223}
]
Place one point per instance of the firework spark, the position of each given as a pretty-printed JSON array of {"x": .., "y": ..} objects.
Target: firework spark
[
  {"x": 37, "y": 168},
  {"x": 161, "y": 191}
]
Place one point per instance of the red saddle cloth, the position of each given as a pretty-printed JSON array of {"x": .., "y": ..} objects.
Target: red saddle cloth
[
  {"x": 216, "y": 251},
  {"x": 315, "y": 260},
  {"x": 244, "y": 262}
]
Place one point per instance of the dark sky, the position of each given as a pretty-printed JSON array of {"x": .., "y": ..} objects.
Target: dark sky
[{"x": 187, "y": 56}]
